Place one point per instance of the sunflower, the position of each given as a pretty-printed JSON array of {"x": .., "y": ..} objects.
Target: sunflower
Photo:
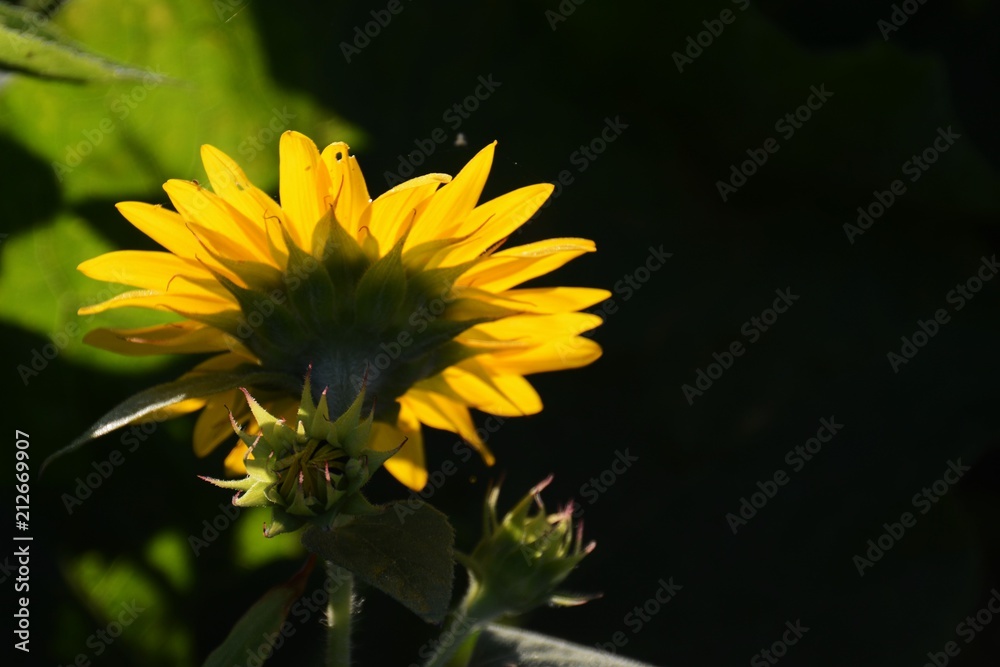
[{"x": 408, "y": 295}]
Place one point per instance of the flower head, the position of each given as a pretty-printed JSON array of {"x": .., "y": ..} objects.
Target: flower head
[{"x": 410, "y": 290}]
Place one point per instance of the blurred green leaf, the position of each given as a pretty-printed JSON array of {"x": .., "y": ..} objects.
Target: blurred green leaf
[
  {"x": 407, "y": 555},
  {"x": 262, "y": 622},
  {"x": 42, "y": 290},
  {"x": 29, "y": 44},
  {"x": 135, "y": 608},
  {"x": 110, "y": 139},
  {"x": 250, "y": 551},
  {"x": 169, "y": 552}
]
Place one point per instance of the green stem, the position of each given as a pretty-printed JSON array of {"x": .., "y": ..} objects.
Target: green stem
[
  {"x": 458, "y": 629},
  {"x": 338, "y": 616},
  {"x": 474, "y": 613}
]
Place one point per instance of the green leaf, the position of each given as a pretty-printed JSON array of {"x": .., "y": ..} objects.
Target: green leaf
[
  {"x": 502, "y": 645},
  {"x": 31, "y": 45},
  {"x": 124, "y": 590},
  {"x": 405, "y": 553},
  {"x": 164, "y": 395},
  {"x": 107, "y": 139},
  {"x": 262, "y": 620}
]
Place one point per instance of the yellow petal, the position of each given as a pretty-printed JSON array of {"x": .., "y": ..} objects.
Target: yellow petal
[
  {"x": 529, "y": 329},
  {"x": 408, "y": 464},
  {"x": 511, "y": 267},
  {"x": 493, "y": 222},
  {"x": 304, "y": 186},
  {"x": 213, "y": 426},
  {"x": 224, "y": 246},
  {"x": 221, "y": 363},
  {"x": 184, "y": 296},
  {"x": 453, "y": 202},
  {"x": 438, "y": 411},
  {"x": 228, "y": 179},
  {"x": 196, "y": 204},
  {"x": 390, "y": 215},
  {"x": 542, "y": 300},
  {"x": 229, "y": 182},
  {"x": 234, "y": 460},
  {"x": 177, "y": 338},
  {"x": 554, "y": 355},
  {"x": 163, "y": 226},
  {"x": 556, "y": 299},
  {"x": 504, "y": 395},
  {"x": 145, "y": 269},
  {"x": 347, "y": 186}
]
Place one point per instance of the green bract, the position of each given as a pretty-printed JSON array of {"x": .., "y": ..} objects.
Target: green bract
[
  {"x": 337, "y": 313},
  {"x": 312, "y": 473}
]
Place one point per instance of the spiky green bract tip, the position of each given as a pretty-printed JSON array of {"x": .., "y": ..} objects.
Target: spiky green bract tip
[
  {"x": 524, "y": 556},
  {"x": 310, "y": 473}
]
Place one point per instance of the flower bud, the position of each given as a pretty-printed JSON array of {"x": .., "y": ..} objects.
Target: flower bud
[
  {"x": 309, "y": 474},
  {"x": 521, "y": 559}
]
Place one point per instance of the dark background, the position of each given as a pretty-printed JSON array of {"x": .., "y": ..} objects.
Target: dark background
[{"x": 655, "y": 185}]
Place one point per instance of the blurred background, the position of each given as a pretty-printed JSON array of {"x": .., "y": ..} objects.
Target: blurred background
[{"x": 739, "y": 137}]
